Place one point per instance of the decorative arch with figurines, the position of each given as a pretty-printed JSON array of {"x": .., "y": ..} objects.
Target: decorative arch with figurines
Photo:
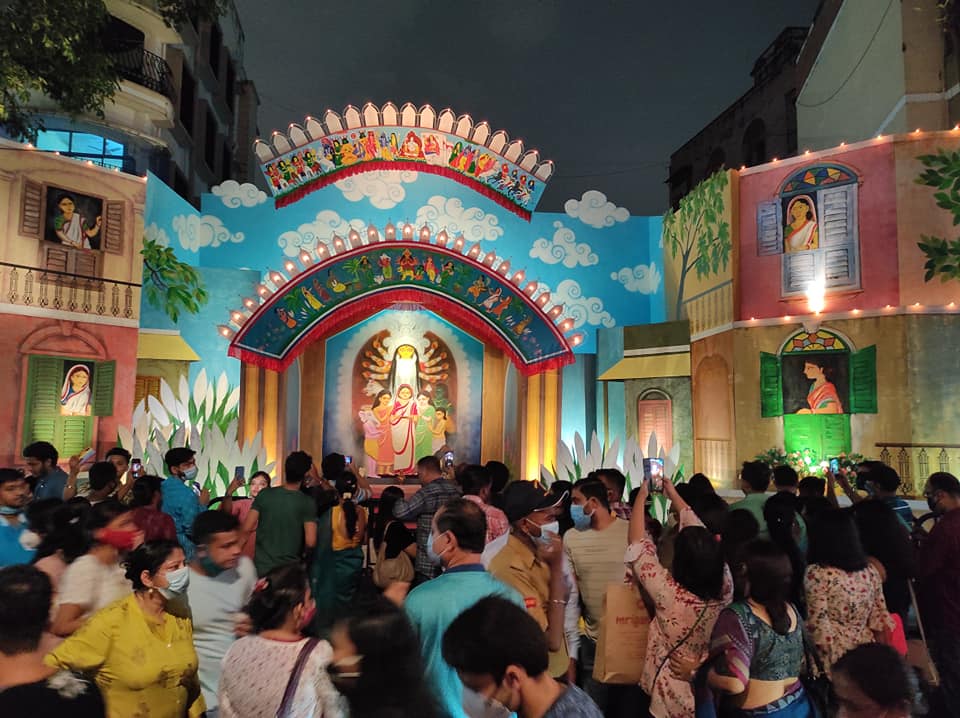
[
  {"x": 335, "y": 287},
  {"x": 320, "y": 152}
]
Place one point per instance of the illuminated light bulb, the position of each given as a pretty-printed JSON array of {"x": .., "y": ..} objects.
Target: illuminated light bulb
[
  {"x": 753, "y": 319},
  {"x": 503, "y": 269},
  {"x": 338, "y": 243},
  {"x": 956, "y": 128},
  {"x": 354, "y": 237},
  {"x": 806, "y": 152},
  {"x": 306, "y": 259},
  {"x": 843, "y": 144},
  {"x": 442, "y": 238},
  {"x": 424, "y": 233},
  {"x": 474, "y": 251},
  {"x": 278, "y": 279},
  {"x": 407, "y": 231},
  {"x": 888, "y": 307},
  {"x": 854, "y": 311},
  {"x": 250, "y": 304},
  {"x": 89, "y": 162},
  {"x": 29, "y": 145},
  {"x": 290, "y": 266},
  {"x": 556, "y": 311},
  {"x": 518, "y": 277},
  {"x": 576, "y": 339},
  {"x": 372, "y": 234},
  {"x": 815, "y": 295},
  {"x": 776, "y": 159},
  {"x": 743, "y": 167},
  {"x": 225, "y": 331},
  {"x": 458, "y": 243},
  {"x": 786, "y": 317},
  {"x": 951, "y": 305},
  {"x": 879, "y": 137},
  {"x": 237, "y": 318},
  {"x": 566, "y": 325},
  {"x": 489, "y": 259},
  {"x": 263, "y": 290},
  {"x": 322, "y": 250},
  {"x": 390, "y": 232},
  {"x": 916, "y": 305},
  {"x": 543, "y": 299},
  {"x": 530, "y": 289},
  {"x": 916, "y": 131}
]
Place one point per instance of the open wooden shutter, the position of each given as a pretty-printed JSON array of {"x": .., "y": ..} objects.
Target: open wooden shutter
[
  {"x": 55, "y": 258},
  {"x": 837, "y": 215},
  {"x": 42, "y": 405},
  {"x": 31, "y": 209},
  {"x": 86, "y": 263},
  {"x": 771, "y": 386},
  {"x": 113, "y": 227},
  {"x": 799, "y": 270},
  {"x": 146, "y": 386},
  {"x": 105, "y": 376},
  {"x": 863, "y": 381},
  {"x": 768, "y": 229},
  {"x": 76, "y": 433}
]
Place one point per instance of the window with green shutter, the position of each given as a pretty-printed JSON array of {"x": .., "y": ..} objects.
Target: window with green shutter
[
  {"x": 826, "y": 435},
  {"x": 863, "y": 381},
  {"x": 771, "y": 388},
  {"x": 43, "y": 420}
]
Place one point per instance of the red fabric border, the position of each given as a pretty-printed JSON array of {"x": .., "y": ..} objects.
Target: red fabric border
[
  {"x": 298, "y": 193},
  {"x": 366, "y": 305}
]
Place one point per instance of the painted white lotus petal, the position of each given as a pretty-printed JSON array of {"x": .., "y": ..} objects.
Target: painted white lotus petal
[
  {"x": 156, "y": 409},
  {"x": 579, "y": 451},
  {"x": 565, "y": 463},
  {"x": 546, "y": 478},
  {"x": 652, "y": 444},
  {"x": 232, "y": 401},
  {"x": 183, "y": 390},
  {"x": 230, "y": 437},
  {"x": 596, "y": 451},
  {"x": 125, "y": 437},
  {"x": 223, "y": 388},
  {"x": 611, "y": 455},
  {"x": 200, "y": 389}
]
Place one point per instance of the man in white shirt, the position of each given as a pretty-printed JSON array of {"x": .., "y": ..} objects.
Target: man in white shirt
[{"x": 221, "y": 581}]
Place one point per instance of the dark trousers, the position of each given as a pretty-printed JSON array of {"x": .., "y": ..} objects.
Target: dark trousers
[{"x": 614, "y": 701}]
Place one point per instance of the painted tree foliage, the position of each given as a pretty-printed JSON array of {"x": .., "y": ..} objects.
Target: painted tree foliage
[
  {"x": 60, "y": 48},
  {"x": 943, "y": 174},
  {"x": 169, "y": 284},
  {"x": 698, "y": 233}
]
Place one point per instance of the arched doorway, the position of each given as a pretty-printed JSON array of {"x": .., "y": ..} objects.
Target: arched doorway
[{"x": 655, "y": 415}]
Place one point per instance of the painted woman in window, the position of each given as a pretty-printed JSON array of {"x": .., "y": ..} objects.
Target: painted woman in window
[
  {"x": 75, "y": 394},
  {"x": 801, "y": 232},
  {"x": 823, "y": 397},
  {"x": 71, "y": 227}
]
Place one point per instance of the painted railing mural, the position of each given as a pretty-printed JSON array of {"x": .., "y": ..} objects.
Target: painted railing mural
[
  {"x": 66, "y": 292},
  {"x": 371, "y": 139},
  {"x": 916, "y": 461}
]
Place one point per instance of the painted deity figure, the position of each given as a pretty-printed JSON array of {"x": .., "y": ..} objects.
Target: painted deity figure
[
  {"x": 383, "y": 452},
  {"x": 442, "y": 425},
  {"x": 71, "y": 227},
  {"x": 405, "y": 370},
  {"x": 823, "y": 397},
  {"x": 403, "y": 418},
  {"x": 372, "y": 433},
  {"x": 801, "y": 232},
  {"x": 423, "y": 434},
  {"x": 75, "y": 394}
]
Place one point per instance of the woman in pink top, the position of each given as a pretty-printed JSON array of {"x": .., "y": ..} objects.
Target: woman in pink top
[
  {"x": 241, "y": 507},
  {"x": 687, "y": 603}
]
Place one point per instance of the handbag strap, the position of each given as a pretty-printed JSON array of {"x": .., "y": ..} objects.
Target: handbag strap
[
  {"x": 923, "y": 633},
  {"x": 680, "y": 643},
  {"x": 294, "y": 681},
  {"x": 812, "y": 654}
]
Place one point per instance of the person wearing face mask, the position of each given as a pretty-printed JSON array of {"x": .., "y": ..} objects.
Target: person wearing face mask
[
  {"x": 532, "y": 563},
  {"x": 96, "y": 579},
  {"x": 500, "y": 654},
  {"x": 178, "y": 497},
  {"x": 595, "y": 551},
  {"x": 938, "y": 568},
  {"x": 276, "y": 671},
  {"x": 221, "y": 583},
  {"x": 455, "y": 541},
  {"x": 140, "y": 655},
  {"x": 17, "y": 543}
]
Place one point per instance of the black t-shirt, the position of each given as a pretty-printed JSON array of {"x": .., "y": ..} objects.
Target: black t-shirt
[
  {"x": 397, "y": 537},
  {"x": 62, "y": 694}
]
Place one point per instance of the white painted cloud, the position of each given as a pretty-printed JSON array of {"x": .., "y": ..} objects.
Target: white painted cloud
[
  {"x": 233, "y": 194},
  {"x": 644, "y": 279},
  {"x": 563, "y": 248},
  {"x": 196, "y": 232},
  {"x": 154, "y": 233},
  {"x": 583, "y": 310},
  {"x": 384, "y": 188},
  {"x": 449, "y": 213},
  {"x": 326, "y": 224},
  {"x": 594, "y": 209}
]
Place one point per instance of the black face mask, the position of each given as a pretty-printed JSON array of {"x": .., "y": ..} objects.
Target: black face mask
[{"x": 932, "y": 503}]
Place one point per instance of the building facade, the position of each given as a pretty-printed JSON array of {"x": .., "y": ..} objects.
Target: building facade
[{"x": 184, "y": 110}]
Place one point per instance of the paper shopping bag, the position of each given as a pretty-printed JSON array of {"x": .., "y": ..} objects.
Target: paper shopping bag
[{"x": 622, "y": 643}]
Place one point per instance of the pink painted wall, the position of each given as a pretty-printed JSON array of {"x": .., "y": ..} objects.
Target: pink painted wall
[
  {"x": 24, "y": 335},
  {"x": 760, "y": 277}
]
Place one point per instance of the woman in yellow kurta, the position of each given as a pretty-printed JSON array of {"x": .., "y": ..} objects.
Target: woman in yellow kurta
[{"x": 140, "y": 655}]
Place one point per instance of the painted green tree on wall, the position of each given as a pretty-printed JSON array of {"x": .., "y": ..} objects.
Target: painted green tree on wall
[
  {"x": 169, "y": 284},
  {"x": 63, "y": 49},
  {"x": 698, "y": 233},
  {"x": 943, "y": 174}
]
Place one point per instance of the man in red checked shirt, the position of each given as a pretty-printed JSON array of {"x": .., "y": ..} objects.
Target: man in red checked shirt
[{"x": 475, "y": 482}]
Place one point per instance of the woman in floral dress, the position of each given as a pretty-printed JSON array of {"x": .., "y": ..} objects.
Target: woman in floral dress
[
  {"x": 687, "y": 603},
  {"x": 845, "y": 603}
]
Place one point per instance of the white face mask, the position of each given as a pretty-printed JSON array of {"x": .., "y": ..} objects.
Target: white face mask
[
  {"x": 478, "y": 706},
  {"x": 178, "y": 581}
]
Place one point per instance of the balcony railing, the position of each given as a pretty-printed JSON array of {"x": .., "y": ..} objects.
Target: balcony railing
[
  {"x": 915, "y": 462},
  {"x": 146, "y": 69},
  {"x": 49, "y": 289},
  {"x": 710, "y": 309}
]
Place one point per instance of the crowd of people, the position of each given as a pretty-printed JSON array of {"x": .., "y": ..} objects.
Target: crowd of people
[{"x": 470, "y": 596}]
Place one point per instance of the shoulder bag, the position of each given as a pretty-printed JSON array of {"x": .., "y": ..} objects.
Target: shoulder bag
[
  {"x": 290, "y": 691},
  {"x": 814, "y": 678},
  {"x": 391, "y": 570}
]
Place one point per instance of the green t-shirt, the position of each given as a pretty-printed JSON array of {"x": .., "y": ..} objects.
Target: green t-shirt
[{"x": 280, "y": 527}]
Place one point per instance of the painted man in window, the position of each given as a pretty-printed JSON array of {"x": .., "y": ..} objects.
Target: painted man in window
[
  {"x": 71, "y": 227},
  {"x": 823, "y": 397},
  {"x": 801, "y": 232},
  {"x": 75, "y": 394}
]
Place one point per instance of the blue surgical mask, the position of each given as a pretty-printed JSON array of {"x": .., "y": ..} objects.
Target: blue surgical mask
[
  {"x": 547, "y": 532},
  {"x": 191, "y": 473},
  {"x": 434, "y": 557},
  {"x": 178, "y": 581},
  {"x": 581, "y": 519},
  {"x": 10, "y": 511},
  {"x": 476, "y": 705},
  {"x": 209, "y": 567}
]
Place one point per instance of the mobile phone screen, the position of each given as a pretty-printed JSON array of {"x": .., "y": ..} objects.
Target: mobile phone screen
[
  {"x": 136, "y": 468},
  {"x": 653, "y": 472},
  {"x": 348, "y": 460},
  {"x": 238, "y": 472},
  {"x": 834, "y": 465},
  {"x": 448, "y": 459}
]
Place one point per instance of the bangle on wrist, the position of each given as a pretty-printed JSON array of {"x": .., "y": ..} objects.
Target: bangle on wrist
[{"x": 557, "y": 601}]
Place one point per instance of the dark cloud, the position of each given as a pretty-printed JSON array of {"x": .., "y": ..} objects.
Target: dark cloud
[{"x": 607, "y": 89}]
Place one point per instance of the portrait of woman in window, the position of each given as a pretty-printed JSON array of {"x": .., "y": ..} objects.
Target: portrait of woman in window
[
  {"x": 823, "y": 397},
  {"x": 801, "y": 232},
  {"x": 75, "y": 394}
]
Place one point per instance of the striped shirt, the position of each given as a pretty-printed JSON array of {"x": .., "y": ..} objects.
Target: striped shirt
[
  {"x": 422, "y": 506},
  {"x": 597, "y": 560}
]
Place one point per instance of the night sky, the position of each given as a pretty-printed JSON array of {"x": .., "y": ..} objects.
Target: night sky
[{"x": 606, "y": 89}]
